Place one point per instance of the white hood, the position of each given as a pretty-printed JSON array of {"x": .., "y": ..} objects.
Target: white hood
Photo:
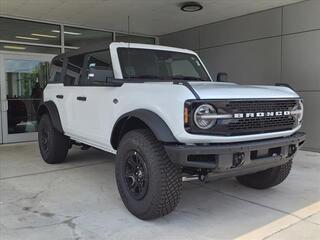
[{"x": 218, "y": 90}]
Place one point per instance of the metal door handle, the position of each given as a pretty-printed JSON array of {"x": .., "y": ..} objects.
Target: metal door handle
[
  {"x": 59, "y": 96},
  {"x": 82, "y": 98}
]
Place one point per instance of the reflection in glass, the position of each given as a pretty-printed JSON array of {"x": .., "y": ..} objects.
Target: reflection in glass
[
  {"x": 80, "y": 37},
  {"x": 26, "y": 80},
  {"x": 28, "y": 31},
  {"x": 28, "y": 48}
]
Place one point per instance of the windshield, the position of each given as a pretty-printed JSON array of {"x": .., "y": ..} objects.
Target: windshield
[{"x": 159, "y": 64}]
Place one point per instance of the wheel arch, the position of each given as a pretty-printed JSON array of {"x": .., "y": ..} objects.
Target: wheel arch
[
  {"x": 141, "y": 118},
  {"x": 50, "y": 108}
]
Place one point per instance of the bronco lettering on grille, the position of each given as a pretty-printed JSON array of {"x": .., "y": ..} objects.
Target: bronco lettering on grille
[{"x": 261, "y": 114}]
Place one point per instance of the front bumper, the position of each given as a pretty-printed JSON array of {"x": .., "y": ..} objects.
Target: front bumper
[{"x": 237, "y": 157}]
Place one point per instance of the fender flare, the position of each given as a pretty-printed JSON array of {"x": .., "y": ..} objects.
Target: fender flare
[
  {"x": 50, "y": 108},
  {"x": 153, "y": 121}
]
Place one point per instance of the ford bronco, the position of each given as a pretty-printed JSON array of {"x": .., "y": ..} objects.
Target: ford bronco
[{"x": 158, "y": 109}]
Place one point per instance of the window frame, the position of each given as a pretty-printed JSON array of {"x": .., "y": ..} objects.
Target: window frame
[
  {"x": 65, "y": 83},
  {"x": 85, "y": 60},
  {"x": 122, "y": 69},
  {"x": 82, "y": 82},
  {"x": 61, "y": 74}
]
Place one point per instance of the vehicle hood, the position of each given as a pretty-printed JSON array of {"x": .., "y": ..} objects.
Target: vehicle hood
[{"x": 218, "y": 90}]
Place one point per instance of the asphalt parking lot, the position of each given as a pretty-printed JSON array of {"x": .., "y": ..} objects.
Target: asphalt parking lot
[{"x": 79, "y": 200}]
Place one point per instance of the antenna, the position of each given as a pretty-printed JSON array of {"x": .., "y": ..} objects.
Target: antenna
[
  {"x": 129, "y": 31},
  {"x": 128, "y": 52}
]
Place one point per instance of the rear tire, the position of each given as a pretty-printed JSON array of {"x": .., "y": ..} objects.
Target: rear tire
[
  {"x": 53, "y": 144},
  {"x": 267, "y": 178},
  {"x": 148, "y": 182}
]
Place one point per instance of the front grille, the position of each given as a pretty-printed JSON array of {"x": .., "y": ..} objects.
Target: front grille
[
  {"x": 261, "y": 124},
  {"x": 263, "y": 106},
  {"x": 247, "y": 125}
]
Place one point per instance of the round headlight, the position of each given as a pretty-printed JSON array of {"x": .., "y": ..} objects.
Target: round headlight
[
  {"x": 202, "y": 116},
  {"x": 300, "y": 116},
  {"x": 297, "y": 110}
]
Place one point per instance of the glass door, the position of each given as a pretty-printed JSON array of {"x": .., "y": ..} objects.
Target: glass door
[
  {"x": 1, "y": 141},
  {"x": 22, "y": 80}
]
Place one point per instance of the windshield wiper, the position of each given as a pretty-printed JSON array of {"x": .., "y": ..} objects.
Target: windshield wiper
[
  {"x": 145, "y": 77},
  {"x": 178, "y": 77}
]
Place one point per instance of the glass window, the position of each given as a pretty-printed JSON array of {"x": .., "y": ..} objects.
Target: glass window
[
  {"x": 184, "y": 67},
  {"x": 121, "y": 37},
  {"x": 80, "y": 37},
  {"x": 55, "y": 71},
  {"x": 98, "y": 68},
  {"x": 25, "y": 80},
  {"x": 28, "y": 31},
  {"x": 28, "y": 48},
  {"x": 74, "y": 70},
  {"x": 158, "y": 64}
]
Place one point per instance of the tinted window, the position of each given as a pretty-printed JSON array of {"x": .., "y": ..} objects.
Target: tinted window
[
  {"x": 183, "y": 67},
  {"x": 55, "y": 71},
  {"x": 98, "y": 68},
  {"x": 74, "y": 70},
  {"x": 159, "y": 64}
]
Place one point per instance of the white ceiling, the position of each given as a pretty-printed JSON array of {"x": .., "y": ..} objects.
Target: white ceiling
[{"x": 151, "y": 17}]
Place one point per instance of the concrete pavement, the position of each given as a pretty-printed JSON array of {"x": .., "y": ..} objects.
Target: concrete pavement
[{"x": 79, "y": 200}]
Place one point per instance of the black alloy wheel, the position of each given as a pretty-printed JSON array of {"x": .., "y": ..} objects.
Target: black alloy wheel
[{"x": 136, "y": 175}]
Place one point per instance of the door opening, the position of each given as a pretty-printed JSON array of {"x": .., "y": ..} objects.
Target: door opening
[{"x": 22, "y": 80}]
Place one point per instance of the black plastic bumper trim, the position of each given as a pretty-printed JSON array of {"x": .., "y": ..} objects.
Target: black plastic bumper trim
[{"x": 224, "y": 152}]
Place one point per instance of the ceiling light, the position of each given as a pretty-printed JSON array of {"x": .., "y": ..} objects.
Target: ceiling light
[
  {"x": 191, "y": 7},
  {"x": 28, "y": 38},
  {"x": 43, "y": 35},
  {"x": 14, "y": 47},
  {"x": 65, "y": 32}
]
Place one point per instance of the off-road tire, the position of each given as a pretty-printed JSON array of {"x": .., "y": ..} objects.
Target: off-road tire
[
  {"x": 267, "y": 178},
  {"x": 56, "y": 148},
  {"x": 164, "y": 178}
]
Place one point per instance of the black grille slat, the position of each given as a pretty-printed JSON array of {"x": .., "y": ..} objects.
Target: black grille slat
[
  {"x": 247, "y": 106},
  {"x": 261, "y": 123}
]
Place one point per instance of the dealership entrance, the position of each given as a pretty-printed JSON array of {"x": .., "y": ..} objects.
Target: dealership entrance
[
  {"x": 23, "y": 78},
  {"x": 26, "y": 48}
]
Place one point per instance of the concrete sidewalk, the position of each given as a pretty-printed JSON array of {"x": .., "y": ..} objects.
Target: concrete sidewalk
[{"x": 79, "y": 200}]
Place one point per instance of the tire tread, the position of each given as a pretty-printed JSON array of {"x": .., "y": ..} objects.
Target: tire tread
[
  {"x": 171, "y": 181},
  {"x": 267, "y": 178}
]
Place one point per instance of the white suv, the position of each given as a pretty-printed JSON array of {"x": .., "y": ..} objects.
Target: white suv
[{"x": 165, "y": 118}]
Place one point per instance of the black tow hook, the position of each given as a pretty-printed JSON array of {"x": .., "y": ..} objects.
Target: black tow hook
[{"x": 204, "y": 178}]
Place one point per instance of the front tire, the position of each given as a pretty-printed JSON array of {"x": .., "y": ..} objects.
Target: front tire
[
  {"x": 267, "y": 178},
  {"x": 53, "y": 144},
  {"x": 148, "y": 182}
]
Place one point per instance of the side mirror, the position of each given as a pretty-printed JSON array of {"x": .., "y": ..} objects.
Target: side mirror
[{"x": 222, "y": 77}]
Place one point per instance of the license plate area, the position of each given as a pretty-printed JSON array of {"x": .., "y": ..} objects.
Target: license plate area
[{"x": 265, "y": 153}]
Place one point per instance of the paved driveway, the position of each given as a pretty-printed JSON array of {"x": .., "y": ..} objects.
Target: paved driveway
[{"x": 79, "y": 200}]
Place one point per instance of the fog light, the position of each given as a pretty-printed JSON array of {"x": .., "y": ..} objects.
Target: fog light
[
  {"x": 237, "y": 159},
  {"x": 292, "y": 149}
]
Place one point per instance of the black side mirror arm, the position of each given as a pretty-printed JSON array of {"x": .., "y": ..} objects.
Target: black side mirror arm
[{"x": 111, "y": 82}]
